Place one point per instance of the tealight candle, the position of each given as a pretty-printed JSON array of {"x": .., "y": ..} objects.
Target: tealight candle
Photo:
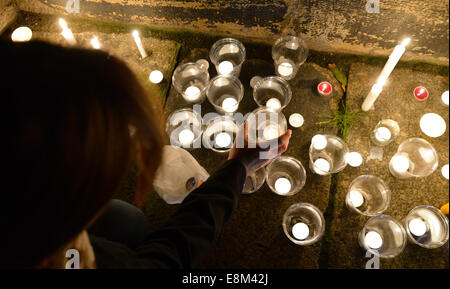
[
  {"x": 296, "y": 120},
  {"x": 354, "y": 159},
  {"x": 356, "y": 198},
  {"x": 444, "y": 98},
  {"x": 417, "y": 227},
  {"x": 444, "y": 171},
  {"x": 373, "y": 240},
  {"x": 139, "y": 45},
  {"x": 400, "y": 163},
  {"x": 223, "y": 140},
  {"x": 300, "y": 231},
  {"x": 383, "y": 134},
  {"x": 319, "y": 142},
  {"x": 421, "y": 93},
  {"x": 285, "y": 69},
  {"x": 67, "y": 33},
  {"x": 273, "y": 103},
  {"x": 433, "y": 125},
  {"x": 229, "y": 104},
  {"x": 322, "y": 164},
  {"x": 95, "y": 42},
  {"x": 282, "y": 186},
  {"x": 192, "y": 93},
  {"x": 225, "y": 67},
  {"x": 156, "y": 76},
  {"x": 324, "y": 88},
  {"x": 270, "y": 132},
  {"x": 186, "y": 136},
  {"x": 21, "y": 34}
]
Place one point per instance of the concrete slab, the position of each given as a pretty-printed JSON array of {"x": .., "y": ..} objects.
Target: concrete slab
[{"x": 398, "y": 103}]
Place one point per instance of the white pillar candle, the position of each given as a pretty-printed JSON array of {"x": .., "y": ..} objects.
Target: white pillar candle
[
  {"x": 382, "y": 78},
  {"x": 444, "y": 171},
  {"x": 383, "y": 134},
  {"x": 192, "y": 93},
  {"x": 417, "y": 227},
  {"x": 225, "y": 67},
  {"x": 300, "y": 231},
  {"x": 223, "y": 140},
  {"x": 444, "y": 98},
  {"x": 229, "y": 104},
  {"x": 22, "y": 34},
  {"x": 296, "y": 120},
  {"x": 433, "y": 125},
  {"x": 285, "y": 69},
  {"x": 95, "y": 42},
  {"x": 354, "y": 159},
  {"x": 186, "y": 136},
  {"x": 270, "y": 132},
  {"x": 400, "y": 163},
  {"x": 139, "y": 45},
  {"x": 356, "y": 198},
  {"x": 156, "y": 76},
  {"x": 67, "y": 33},
  {"x": 283, "y": 186},
  {"x": 373, "y": 240},
  {"x": 319, "y": 142},
  {"x": 273, "y": 103},
  {"x": 322, "y": 164}
]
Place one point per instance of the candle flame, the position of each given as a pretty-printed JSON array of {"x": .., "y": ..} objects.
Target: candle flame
[
  {"x": 135, "y": 33},
  {"x": 406, "y": 41},
  {"x": 95, "y": 43},
  {"x": 63, "y": 24}
]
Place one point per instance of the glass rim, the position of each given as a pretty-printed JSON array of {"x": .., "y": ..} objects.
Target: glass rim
[{"x": 226, "y": 40}]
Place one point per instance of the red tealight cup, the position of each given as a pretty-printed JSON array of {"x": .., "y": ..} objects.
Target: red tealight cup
[
  {"x": 421, "y": 93},
  {"x": 324, "y": 88}
]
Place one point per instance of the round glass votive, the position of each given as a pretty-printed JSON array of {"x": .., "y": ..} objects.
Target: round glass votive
[
  {"x": 383, "y": 236},
  {"x": 227, "y": 55},
  {"x": 220, "y": 133},
  {"x": 415, "y": 157},
  {"x": 255, "y": 181},
  {"x": 368, "y": 195},
  {"x": 427, "y": 227},
  {"x": 190, "y": 80},
  {"x": 289, "y": 53},
  {"x": 265, "y": 124},
  {"x": 385, "y": 132},
  {"x": 225, "y": 93},
  {"x": 184, "y": 127},
  {"x": 303, "y": 224},
  {"x": 327, "y": 154},
  {"x": 285, "y": 176},
  {"x": 272, "y": 91}
]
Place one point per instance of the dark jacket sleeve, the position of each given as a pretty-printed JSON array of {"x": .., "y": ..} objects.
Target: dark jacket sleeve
[{"x": 189, "y": 233}]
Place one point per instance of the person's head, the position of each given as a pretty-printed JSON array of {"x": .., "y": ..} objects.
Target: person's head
[{"x": 65, "y": 120}]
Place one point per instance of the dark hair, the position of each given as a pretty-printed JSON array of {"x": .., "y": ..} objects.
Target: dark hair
[{"x": 66, "y": 118}]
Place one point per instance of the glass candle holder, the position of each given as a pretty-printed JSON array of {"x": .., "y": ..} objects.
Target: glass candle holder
[
  {"x": 227, "y": 55},
  {"x": 327, "y": 154},
  {"x": 385, "y": 132},
  {"x": 255, "y": 181},
  {"x": 383, "y": 236},
  {"x": 191, "y": 79},
  {"x": 303, "y": 224},
  {"x": 285, "y": 176},
  {"x": 427, "y": 227},
  {"x": 288, "y": 53},
  {"x": 225, "y": 93},
  {"x": 184, "y": 127},
  {"x": 220, "y": 133},
  {"x": 265, "y": 124},
  {"x": 368, "y": 195},
  {"x": 415, "y": 157},
  {"x": 272, "y": 91}
]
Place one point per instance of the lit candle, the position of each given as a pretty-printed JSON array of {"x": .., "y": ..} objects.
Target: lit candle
[
  {"x": 296, "y": 120},
  {"x": 383, "y": 134},
  {"x": 319, "y": 142},
  {"x": 417, "y": 227},
  {"x": 322, "y": 164},
  {"x": 324, "y": 88},
  {"x": 229, "y": 104},
  {"x": 300, "y": 231},
  {"x": 225, "y": 67},
  {"x": 273, "y": 103},
  {"x": 22, "y": 34},
  {"x": 186, "y": 136},
  {"x": 356, "y": 198},
  {"x": 283, "y": 186},
  {"x": 270, "y": 132},
  {"x": 433, "y": 125},
  {"x": 139, "y": 45},
  {"x": 421, "y": 93},
  {"x": 373, "y": 240},
  {"x": 444, "y": 98},
  {"x": 400, "y": 163},
  {"x": 223, "y": 140},
  {"x": 192, "y": 93},
  {"x": 285, "y": 69},
  {"x": 388, "y": 67},
  {"x": 95, "y": 42},
  {"x": 444, "y": 171},
  {"x": 67, "y": 33},
  {"x": 156, "y": 76},
  {"x": 354, "y": 159}
]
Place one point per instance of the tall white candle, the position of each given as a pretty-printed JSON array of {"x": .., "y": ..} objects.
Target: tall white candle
[
  {"x": 95, "y": 42},
  {"x": 139, "y": 45},
  {"x": 67, "y": 33},
  {"x": 382, "y": 78}
]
